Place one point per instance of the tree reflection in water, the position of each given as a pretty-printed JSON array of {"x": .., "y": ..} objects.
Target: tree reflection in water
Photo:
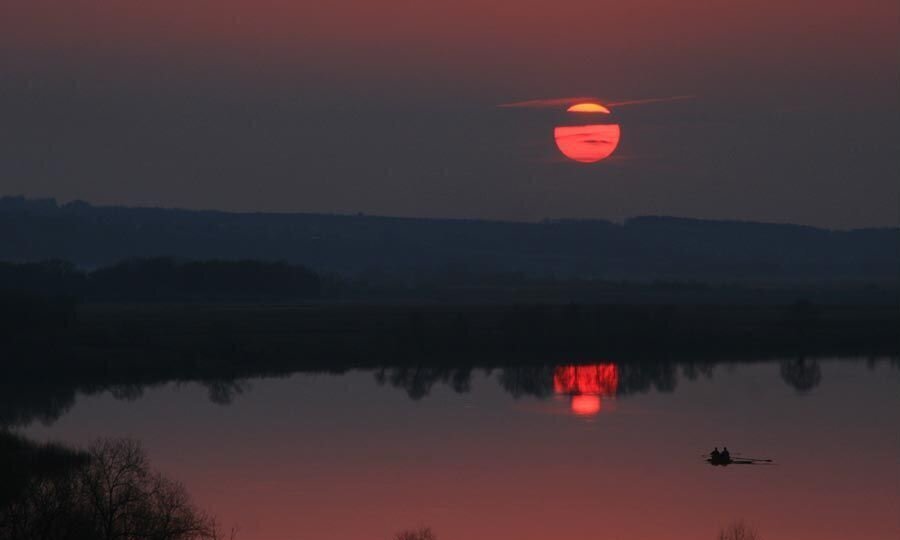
[
  {"x": 802, "y": 374},
  {"x": 418, "y": 380},
  {"x": 45, "y": 398}
]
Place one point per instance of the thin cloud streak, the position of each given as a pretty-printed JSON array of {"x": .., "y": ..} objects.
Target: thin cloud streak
[
  {"x": 566, "y": 101},
  {"x": 650, "y": 100},
  {"x": 546, "y": 103}
]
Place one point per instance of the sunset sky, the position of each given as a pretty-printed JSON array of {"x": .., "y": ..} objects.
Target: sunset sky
[{"x": 391, "y": 107}]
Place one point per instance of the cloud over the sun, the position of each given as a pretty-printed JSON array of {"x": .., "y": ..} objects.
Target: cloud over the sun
[{"x": 566, "y": 101}]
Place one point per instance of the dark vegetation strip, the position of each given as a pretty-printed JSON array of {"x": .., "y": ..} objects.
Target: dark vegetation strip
[
  {"x": 168, "y": 279},
  {"x": 58, "y": 334},
  {"x": 162, "y": 279}
]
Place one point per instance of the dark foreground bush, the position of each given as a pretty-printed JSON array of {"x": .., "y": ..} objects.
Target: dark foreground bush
[{"x": 108, "y": 492}]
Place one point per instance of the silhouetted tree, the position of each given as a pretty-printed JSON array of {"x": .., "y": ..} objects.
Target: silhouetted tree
[
  {"x": 418, "y": 534},
  {"x": 738, "y": 530},
  {"x": 111, "y": 494}
]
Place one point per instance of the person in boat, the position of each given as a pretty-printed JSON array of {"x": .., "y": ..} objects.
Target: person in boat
[
  {"x": 715, "y": 455},
  {"x": 724, "y": 455}
]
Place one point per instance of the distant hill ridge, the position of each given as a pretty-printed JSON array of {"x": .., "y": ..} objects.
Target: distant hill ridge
[{"x": 646, "y": 247}]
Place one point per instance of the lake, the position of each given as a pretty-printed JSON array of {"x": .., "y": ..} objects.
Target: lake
[{"x": 571, "y": 450}]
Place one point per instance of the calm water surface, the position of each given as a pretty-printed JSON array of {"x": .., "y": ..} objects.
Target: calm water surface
[{"x": 551, "y": 453}]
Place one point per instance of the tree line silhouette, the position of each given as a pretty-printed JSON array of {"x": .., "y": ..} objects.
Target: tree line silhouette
[
  {"x": 171, "y": 279},
  {"x": 644, "y": 248},
  {"x": 163, "y": 279}
]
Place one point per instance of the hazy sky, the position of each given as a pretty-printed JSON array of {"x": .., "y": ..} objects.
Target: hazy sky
[{"x": 390, "y": 107}]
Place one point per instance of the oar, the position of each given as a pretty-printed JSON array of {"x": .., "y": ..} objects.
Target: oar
[{"x": 738, "y": 456}]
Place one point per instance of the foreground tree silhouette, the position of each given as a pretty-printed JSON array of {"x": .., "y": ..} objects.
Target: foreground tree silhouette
[
  {"x": 129, "y": 500},
  {"x": 738, "y": 530},
  {"x": 114, "y": 495},
  {"x": 420, "y": 534}
]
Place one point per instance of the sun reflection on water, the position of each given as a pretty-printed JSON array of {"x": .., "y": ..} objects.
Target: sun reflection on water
[{"x": 586, "y": 385}]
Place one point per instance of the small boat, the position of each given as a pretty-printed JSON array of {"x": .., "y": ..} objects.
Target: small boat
[
  {"x": 737, "y": 460},
  {"x": 729, "y": 461}
]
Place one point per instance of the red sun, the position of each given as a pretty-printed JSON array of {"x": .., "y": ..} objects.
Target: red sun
[
  {"x": 588, "y": 107},
  {"x": 587, "y": 144}
]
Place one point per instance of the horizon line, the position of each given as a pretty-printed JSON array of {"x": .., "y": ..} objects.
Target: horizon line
[{"x": 541, "y": 221}]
